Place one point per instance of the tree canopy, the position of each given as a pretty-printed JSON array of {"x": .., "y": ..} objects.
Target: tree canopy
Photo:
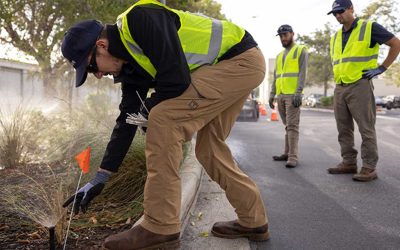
[
  {"x": 319, "y": 65},
  {"x": 384, "y": 12},
  {"x": 37, "y": 27},
  {"x": 320, "y": 68}
]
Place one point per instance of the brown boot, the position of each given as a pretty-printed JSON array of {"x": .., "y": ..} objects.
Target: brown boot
[
  {"x": 280, "y": 157},
  {"x": 233, "y": 230},
  {"x": 291, "y": 164},
  {"x": 366, "y": 174},
  {"x": 342, "y": 168},
  {"x": 140, "y": 238}
]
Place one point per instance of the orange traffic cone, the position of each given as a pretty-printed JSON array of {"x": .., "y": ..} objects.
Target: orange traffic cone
[
  {"x": 274, "y": 115},
  {"x": 262, "y": 110}
]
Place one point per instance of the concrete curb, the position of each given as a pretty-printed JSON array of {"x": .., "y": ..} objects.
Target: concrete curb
[
  {"x": 379, "y": 113},
  {"x": 191, "y": 175}
]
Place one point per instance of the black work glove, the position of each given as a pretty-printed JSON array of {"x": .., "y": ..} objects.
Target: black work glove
[
  {"x": 87, "y": 193},
  {"x": 297, "y": 100},
  {"x": 371, "y": 73},
  {"x": 271, "y": 101}
]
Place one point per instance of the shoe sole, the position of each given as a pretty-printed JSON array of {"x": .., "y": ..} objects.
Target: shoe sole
[
  {"x": 170, "y": 245},
  {"x": 252, "y": 237},
  {"x": 279, "y": 159},
  {"x": 290, "y": 166},
  {"x": 335, "y": 171},
  {"x": 365, "y": 179}
]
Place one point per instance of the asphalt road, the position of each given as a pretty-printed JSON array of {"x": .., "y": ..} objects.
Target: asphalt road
[{"x": 310, "y": 209}]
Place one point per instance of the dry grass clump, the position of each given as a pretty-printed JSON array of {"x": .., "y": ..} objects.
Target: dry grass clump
[{"x": 20, "y": 130}]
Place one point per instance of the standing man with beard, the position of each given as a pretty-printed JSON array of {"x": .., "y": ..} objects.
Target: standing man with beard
[
  {"x": 288, "y": 84},
  {"x": 354, "y": 53}
]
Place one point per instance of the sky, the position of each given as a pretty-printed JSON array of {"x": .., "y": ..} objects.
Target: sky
[{"x": 262, "y": 18}]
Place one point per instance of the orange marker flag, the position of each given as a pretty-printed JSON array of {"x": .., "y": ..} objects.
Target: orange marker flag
[{"x": 83, "y": 159}]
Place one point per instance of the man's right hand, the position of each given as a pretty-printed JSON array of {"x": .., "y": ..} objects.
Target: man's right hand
[
  {"x": 271, "y": 102},
  {"x": 88, "y": 192}
]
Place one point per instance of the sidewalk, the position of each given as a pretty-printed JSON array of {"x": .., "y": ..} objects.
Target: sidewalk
[{"x": 211, "y": 206}]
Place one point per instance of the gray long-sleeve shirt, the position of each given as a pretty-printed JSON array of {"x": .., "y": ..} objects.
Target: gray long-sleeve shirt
[{"x": 303, "y": 60}]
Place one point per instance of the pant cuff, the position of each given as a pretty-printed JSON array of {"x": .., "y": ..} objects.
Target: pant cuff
[
  {"x": 160, "y": 229},
  {"x": 369, "y": 166},
  {"x": 251, "y": 225}
]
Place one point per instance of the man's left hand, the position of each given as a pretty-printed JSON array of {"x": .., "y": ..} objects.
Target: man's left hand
[
  {"x": 371, "y": 73},
  {"x": 297, "y": 100}
]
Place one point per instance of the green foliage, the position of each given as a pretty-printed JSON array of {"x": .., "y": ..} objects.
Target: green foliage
[
  {"x": 393, "y": 74},
  {"x": 320, "y": 66},
  {"x": 37, "y": 27},
  {"x": 319, "y": 70},
  {"x": 207, "y": 7},
  {"x": 327, "y": 101},
  {"x": 384, "y": 12}
]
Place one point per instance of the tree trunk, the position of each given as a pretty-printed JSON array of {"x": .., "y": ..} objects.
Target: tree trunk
[
  {"x": 325, "y": 88},
  {"x": 48, "y": 86}
]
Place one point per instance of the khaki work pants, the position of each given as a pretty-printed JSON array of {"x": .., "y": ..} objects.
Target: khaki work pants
[
  {"x": 291, "y": 118},
  {"x": 209, "y": 107},
  {"x": 356, "y": 101}
]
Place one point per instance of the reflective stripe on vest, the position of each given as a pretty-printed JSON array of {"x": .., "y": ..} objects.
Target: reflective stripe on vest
[
  {"x": 357, "y": 56},
  {"x": 191, "y": 26},
  {"x": 192, "y": 58},
  {"x": 287, "y": 73}
]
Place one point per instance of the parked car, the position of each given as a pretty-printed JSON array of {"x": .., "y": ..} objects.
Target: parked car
[
  {"x": 250, "y": 111},
  {"x": 379, "y": 102},
  {"x": 388, "y": 98},
  {"x": 395, "y": 103},
  {"x": 313, "y": 100}
]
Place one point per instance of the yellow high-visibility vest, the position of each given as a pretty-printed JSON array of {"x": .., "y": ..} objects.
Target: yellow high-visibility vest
[
  {"x": 287, "y": 73},
  {"x": 357, "y": 56},
  {"x": 203, "y": 39}
]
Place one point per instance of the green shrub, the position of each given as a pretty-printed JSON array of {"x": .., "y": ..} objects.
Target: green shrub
[{"x": 327, "y": 100}]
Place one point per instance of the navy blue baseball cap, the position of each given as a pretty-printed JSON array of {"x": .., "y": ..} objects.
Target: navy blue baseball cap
[
  {"x": 284, "y": 29},
  {"x": 340, "y": 5},
  {"x": 77, "y": 44}
]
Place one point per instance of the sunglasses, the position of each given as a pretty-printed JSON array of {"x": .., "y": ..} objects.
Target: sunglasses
[
  {"x": 334, "y": 13},
  {"x": 92, "y": 67}
]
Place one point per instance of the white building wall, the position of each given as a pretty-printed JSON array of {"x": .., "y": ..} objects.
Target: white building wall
[{"x": 20, "y": 83}]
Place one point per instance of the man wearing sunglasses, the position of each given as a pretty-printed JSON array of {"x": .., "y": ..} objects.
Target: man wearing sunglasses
[
  {"x": 202, "y": 71},
  {"x": 354, "y": 52}
]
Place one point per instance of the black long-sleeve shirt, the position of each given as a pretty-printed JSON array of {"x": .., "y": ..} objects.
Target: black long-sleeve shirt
[{"x": 155, "y": 31}]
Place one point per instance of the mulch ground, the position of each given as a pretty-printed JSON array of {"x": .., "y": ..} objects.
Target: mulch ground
[
  {"x": 28, "y": 237},
  {"x": 87, "y": 232}
]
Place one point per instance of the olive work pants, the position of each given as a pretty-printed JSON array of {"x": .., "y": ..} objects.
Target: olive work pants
[
  {"x": 356, "y": 101},
  {"x": 290, "y": 116},
  {"x": 209, "y": 107}
]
